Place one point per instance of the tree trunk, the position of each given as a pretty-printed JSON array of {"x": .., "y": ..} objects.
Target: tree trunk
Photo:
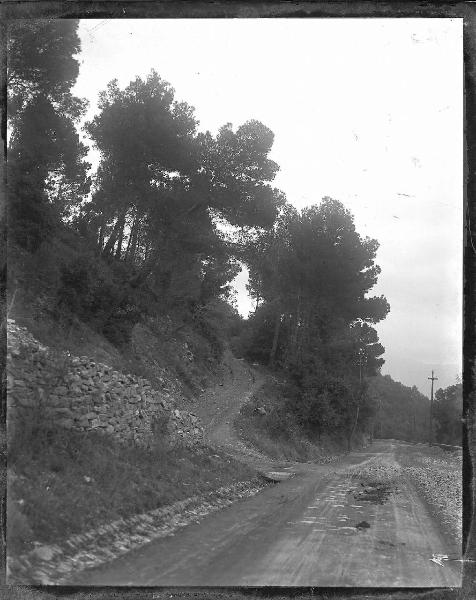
[
  {"x": 101, "y": 233},
  {"x": 133, "y": 240},
  {"x": 126, "y": 254},
  {"x": 295, "y": 332},
  {"x": 120, "y": 236},
  {"x": 303, "y": 333},
  {"x": 151, "y": 258},
  {"x": 352, "y": 431},
  {"x": 274, "y": 347},
  {"x": 108, "y": 248}
]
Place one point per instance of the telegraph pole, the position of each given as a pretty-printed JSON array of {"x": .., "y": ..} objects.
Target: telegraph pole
[{"x": 433, "y": 379}]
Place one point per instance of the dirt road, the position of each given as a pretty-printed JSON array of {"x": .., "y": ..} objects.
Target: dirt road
[
  {"x": 322, "y": 527},
  {"x": 221, "y": 403}
]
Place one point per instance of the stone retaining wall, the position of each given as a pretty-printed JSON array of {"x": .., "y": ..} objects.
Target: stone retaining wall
[{"x": 79, "y": 393}]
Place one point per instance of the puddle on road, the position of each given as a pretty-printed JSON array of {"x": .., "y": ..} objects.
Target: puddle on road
[
  {"x": 378, "y": 494},
  {"x": 362, "y": 525}
]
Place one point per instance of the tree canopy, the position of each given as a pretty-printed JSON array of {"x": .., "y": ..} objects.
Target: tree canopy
[
  {"x": 161, "y": 187},
  {"x": 402, "y": 412},
  {"x": 310, "y": 274},
  {"x": 46, "y": 157}
]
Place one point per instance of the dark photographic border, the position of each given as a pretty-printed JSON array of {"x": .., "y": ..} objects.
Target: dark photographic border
[{"x": 112, "y": 9}]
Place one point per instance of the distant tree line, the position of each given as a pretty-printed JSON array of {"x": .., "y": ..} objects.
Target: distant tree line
[
  {"x": 447, "y": 413},
  {"x": 169, "y": 217},
  {"x": 403, "y": 413}
]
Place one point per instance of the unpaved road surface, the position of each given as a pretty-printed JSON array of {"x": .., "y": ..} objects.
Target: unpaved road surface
[
  {"x": 318, "y": 528},
  {"x": 220, "y": 405}
]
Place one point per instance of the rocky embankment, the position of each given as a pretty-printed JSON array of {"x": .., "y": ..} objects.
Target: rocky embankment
[
  {"x": 53, "y": 564},
  {"x": 79, "y": 393}
]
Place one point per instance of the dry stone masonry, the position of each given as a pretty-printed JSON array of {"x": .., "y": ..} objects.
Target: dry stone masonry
[{"x": 79, "y": 393}]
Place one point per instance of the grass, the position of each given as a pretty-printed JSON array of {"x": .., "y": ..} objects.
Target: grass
[
  {"x": 63, "y": 482},
  {"x": 438, "y": 474},
  {"x": 277, "y": 433}
]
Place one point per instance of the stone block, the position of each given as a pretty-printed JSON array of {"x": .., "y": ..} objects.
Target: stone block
[
  {"x": 54, "y": 400},
  {"x": 65, "y": 412},
  {"x": 26, "y": 401}
]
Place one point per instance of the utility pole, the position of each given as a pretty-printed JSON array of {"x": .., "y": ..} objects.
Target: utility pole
[{"x": 433, "y": 379}]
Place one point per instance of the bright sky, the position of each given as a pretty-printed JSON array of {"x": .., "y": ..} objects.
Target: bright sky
[{"x": 367, "y": 111}]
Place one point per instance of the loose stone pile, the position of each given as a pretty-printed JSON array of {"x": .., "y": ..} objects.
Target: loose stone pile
[{"x": 79, "y": 393}]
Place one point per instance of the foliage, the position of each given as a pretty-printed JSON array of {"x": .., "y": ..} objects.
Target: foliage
[
  {"x": 402, "y": 412},
  {"x": 162, "y": 189},
  {"x": 269, "y": 422},
  {"x": 447, "y": 414},
  {"x": 310, "y": 274},
  {"x": 46, "y": 171},
  {"x": 150, "y": 238},
  {"x": 101, "y": 296},
  {"x": 41, "y": 62}
]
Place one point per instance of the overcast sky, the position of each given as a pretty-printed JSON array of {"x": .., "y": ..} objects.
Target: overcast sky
[{"x": 367, "y": 111}]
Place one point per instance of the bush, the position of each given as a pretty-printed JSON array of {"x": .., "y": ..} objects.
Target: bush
[
  {"x": 101, "y": 295},
  {"x": 210, "y": 321}
]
